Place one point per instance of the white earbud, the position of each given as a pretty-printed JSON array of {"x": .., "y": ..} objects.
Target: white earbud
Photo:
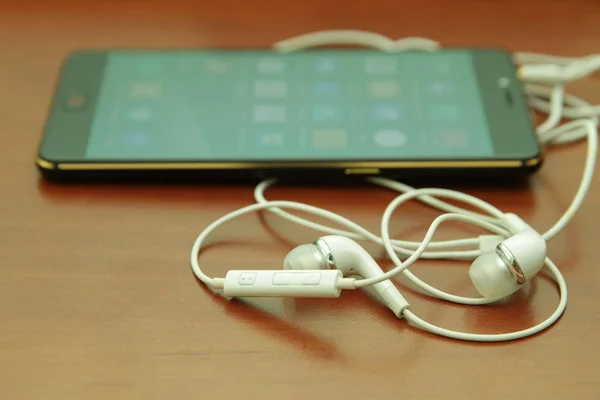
[
  {"x": 344, "y": 254},
  {"x": 514, "y": 262}
]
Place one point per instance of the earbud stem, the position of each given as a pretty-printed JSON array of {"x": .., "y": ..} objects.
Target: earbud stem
[
  {"x": 515, "y": 224},
  {"x": 394, "y": 300}
]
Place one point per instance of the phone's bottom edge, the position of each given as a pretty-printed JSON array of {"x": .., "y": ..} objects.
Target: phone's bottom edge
[{"x": 302, "y": 175}]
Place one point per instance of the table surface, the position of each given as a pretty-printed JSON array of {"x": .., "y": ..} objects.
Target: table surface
[{"x": 96, "y": 296}]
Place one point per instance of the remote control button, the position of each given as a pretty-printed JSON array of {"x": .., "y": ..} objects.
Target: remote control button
[
  {"x": 247, "y": 278},
  {"x": 300, "y": 278}
]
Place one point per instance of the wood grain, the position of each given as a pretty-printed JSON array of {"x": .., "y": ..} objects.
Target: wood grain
[{"x": 96, "y": 297}]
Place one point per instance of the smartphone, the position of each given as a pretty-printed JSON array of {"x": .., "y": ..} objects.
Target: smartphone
[{"x": 229, "y": 113}]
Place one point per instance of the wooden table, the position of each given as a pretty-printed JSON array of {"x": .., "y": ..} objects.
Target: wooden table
[{"x": 97, "y": 300}]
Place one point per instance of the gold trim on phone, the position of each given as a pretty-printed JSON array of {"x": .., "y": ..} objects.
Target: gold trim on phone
[{"x": 350, "y": 167}]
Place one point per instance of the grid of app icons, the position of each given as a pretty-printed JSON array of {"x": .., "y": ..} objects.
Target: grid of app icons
[
  {"x": 330, "y": 108},
  {"x": 325, "y": 102}
]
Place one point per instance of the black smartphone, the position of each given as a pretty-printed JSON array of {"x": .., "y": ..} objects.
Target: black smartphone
[{"x": 230, "y": 113}]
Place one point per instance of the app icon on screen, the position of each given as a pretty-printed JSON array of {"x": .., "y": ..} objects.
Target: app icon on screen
[
  {"x": 271, "y": 88},
  {"x": 386, "y": 112},
  {"x": 326, "y": 88},
  {"x": 271, "y": 66},
  {"x": 384, "y": 89},
  {"x": 453, "y": 138},
  {"x": 441, "y": 88},
  {"x": 268, "y": 139},
  {"x": 269, "y": 113},
  {"x": 443, "y": 111},
  {"x": 136, "y": 139},
  {"x": 332, "y": 138},
  {"x": 145, "y": 90},
  {"x": 140, "y": 114},
  {"x": 215, "y": 66},
  {"x": 327, "y": 113},
  {"x": 390, "y": 138},
  {"x": 325, "y": 65},
  {"x": 381, "y": 65}
]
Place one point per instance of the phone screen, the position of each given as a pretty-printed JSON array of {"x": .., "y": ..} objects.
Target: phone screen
[{"x": 260, "y": 105}]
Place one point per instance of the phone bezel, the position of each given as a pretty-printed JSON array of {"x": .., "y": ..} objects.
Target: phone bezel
[{"x": 511, "y": 124}]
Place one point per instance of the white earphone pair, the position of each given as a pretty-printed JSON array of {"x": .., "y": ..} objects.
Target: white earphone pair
[
  {"x": 336, "y": 262},
  {"x": 495, "y": 274},
  {"x": 502, "y": 262}
]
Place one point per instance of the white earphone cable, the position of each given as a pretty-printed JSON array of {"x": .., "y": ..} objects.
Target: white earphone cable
[
  {"x": 536, "y": 69},
  {"x": 401, "y": 246}
]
